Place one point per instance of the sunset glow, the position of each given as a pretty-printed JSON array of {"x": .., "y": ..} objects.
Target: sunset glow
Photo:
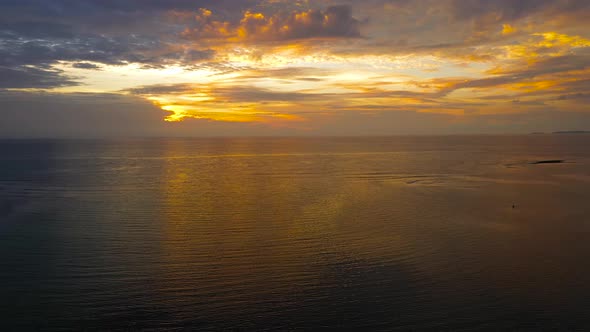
[{"x": 305, "y": 65}]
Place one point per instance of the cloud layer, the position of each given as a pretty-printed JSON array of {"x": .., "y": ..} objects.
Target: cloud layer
[{"x": 300, "y": 67}]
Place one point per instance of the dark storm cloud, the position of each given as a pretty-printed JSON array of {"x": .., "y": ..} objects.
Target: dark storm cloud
[{"x": 27, "y": 77}]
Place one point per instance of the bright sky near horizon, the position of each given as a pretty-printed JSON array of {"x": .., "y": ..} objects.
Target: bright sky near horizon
[{"x": 278, "y": 67}]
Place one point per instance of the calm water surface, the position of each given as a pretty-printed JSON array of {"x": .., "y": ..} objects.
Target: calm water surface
[{"x": 296, "y": 233}]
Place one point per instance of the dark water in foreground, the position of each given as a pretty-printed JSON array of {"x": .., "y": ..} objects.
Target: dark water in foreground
[{"x": 381, "y": 233}]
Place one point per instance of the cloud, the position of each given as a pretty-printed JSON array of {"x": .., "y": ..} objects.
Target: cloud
[
  {"x": 300, "y": 64},
  {"x": 225, "y": 94},
  {"x": 293, "y": 73},
  {"x": 503, "y": 10},
  {"x": 35, "y": 114},
  {"x": 223, "y": 103},
  {"x": 584, "y": 97},
  {"x": 179, "y": 88},
  {"x": 42, "y": 33},
  {"x": 334, "y": 22},
  {"x": 35, "y": 30},
  {"x": 472, "y": 30},
  {"x": 56, "y": 115},
  {"x": 100, "y": 49},
  {"x": 148, "y": 32},
  {"x": 541, "y": 75},
  {"x": 86, "y": 65},
  {"x": 534, "y": 85},
  {"x": 28, "y": 77},
  {"x": 36, "y": 58},
  {"x": 487, "y": 15}
]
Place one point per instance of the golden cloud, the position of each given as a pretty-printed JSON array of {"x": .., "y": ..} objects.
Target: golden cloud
[{"x": 334, "y": 22}]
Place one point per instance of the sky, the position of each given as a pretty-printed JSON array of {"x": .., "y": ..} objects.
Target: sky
[{"x": 72, "y": 68}]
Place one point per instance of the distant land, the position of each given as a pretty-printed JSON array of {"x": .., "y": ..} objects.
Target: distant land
[
  {"x": 571, "y": 132},
  {"x": 562, "y": 132}
]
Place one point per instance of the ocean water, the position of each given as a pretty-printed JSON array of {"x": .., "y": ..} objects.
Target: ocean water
[{"x": 383, "y": 233}]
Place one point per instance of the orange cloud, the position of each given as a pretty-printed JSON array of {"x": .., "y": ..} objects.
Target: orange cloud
[
  {"x": 508, "y": 29},
  {"x": 548, "y": 44},
  {"x": 334, "y": 22}
]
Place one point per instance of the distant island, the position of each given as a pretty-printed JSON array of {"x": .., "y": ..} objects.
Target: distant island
[
  {"x": 571, "y": 132},
  {"x": 561, "y": 132},
  {"x": 551, "y": 161}
]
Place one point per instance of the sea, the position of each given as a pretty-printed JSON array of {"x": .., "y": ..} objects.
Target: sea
[{"x": 442, "y": 233}]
